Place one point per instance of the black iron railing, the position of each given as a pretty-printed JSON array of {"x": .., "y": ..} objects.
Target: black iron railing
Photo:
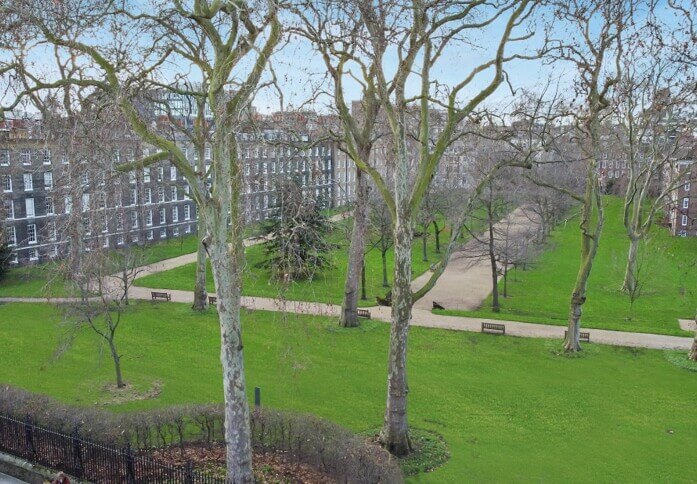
[{"x": 89, "y": 460}]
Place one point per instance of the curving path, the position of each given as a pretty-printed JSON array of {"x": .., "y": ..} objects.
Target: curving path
[{"x": 447, "y": 291}]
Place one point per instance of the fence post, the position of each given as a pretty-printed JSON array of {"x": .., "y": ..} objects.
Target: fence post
[
  {"x": 188, "y": 473},
  {"x": 29, "y": 437},
  {"x": 130, "y": 466},
  {"x": 77, "y": 452}
]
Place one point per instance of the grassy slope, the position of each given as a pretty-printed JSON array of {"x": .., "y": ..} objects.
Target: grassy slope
[
  {"x": 509, "y": 408},
  {"x": 541, "y": 294},
  {"x": 326, "y": 286}
]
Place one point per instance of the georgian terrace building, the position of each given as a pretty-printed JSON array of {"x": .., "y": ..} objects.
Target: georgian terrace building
[{"x": 42, "y": 188}]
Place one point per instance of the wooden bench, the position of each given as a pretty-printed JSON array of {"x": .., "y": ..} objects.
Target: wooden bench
[
  {"x": 363, "y": 313},
  {"x": 212, "y": 300},
  {"x": 493, "y": 328},
  {"x": 160, "y": 295},
  {"x": 582, "y": 336}
]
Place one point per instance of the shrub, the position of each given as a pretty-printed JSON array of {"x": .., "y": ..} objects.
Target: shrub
[{"x": 303, "y": 438}]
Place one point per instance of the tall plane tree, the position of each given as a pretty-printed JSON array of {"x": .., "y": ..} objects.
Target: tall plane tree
[
  {"x": 123, "y": 44},
  {"x": 417, "y": 34},
  {"x": 593, "y": 41}
]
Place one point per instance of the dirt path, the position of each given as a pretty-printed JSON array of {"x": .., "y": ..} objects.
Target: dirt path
[{"x": 466, "y": 281}]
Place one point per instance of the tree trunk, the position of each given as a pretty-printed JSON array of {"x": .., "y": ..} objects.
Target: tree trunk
[
  {"x": 589, "y": 247},
  {"x": 630, "y": 275},
  {"x": 349, "y": 306},
  {"x": 693, "y": 351},
  {"x": 364, "y": 296},
  {"x": 505, "y": 280},
  {"x": 436, "y": 233},
  {"x": 124, "y": 276},
  {"x": 385, "y": 280},
  {"x": 117, "y": 363},
  {"x": 200, "y": 292},
  {"x": 424, "y": 243},
  {"x": 395, "y": 431},
  {"x": 495, "y": 306}
]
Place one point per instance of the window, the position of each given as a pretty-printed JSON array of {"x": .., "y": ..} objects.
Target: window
[
  {"x": 163, "y": 216},
  {"x": 9, "y": 209},
  {"x": 161, "y": 194},
  {"x": 12, "y": 236},
  {"x": 85, "y": 202},
  {"x": 173, "y": 173},
  {"x": 68, "y": 203},
  {"x": 175, "y": 232},
  {"x": 31, "y": 233},
  {"x": 54, "y": 251},
  {"x": 4, "y": 157},
  {"x": 25, "y": 157},
  {"x": 146, "y": 175},
  {"x": 134, "y": 238},
  {"x": 174, "y": 194},
  {"x": 163, "y": 233},
  {"x": 86, "y": 225},
  {"x": 175, "y": 214},
  {"x": 685, "y": 202},
  {"x": 48, "y": 180},
  {"x": 119, "y": 222},
  {"x": 160, "y": 173},
  {"x": 29, "y": 203},
  {"x": 187, "y": 212},
  {"x": 208, "y": 153},
  {"x": 134, "y": 197},
  {"x": 186, "y": 191},
  {"x": 47, "y": 157},
  {"x": 148, "y": 195},
  {"x": 148, "y": 218},
  {"x": 130, "y": 154},
  {"x": 85, "y": 178},
  {"x": 50, "y": 210},
  {"x": 684, "y": 220},
  {"x": 131, "y": 176},
  {"x": 102, "y": 201},
  {"x": 106, "y": 242},
  {"x": 28, "y": 182},
  {"x": 51, "y": 231},
  {"x": 119, "y": 239},
  {"x": 134, "y": 220},
  {"x": 187, "y": 229},
  {"x": 6, "y": 183},
  {"x": 34, "y": 254},
  {"x": 150, "y": 235},
  {"x": 687, "y": 186}
]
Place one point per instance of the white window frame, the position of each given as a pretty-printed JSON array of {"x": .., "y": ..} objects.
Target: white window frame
[
  {"x": 175, "y": 214},
  {"x": 31, "y": 234},
  {"x": 48, "y": 180},
  {"x": 28, "y": 182},
  {"x": 7, "y": 183},
  {"x": 685, "y": 203},
  {"x": 46, "y": 156},
  {"x": 25, "y": 157},
  {"x": 34, "y": 255},
  {"x": 50, "y": 206},
  {"x": 684, "y": 220},
  {"x": 4, "y": 157},
  {"x": 163, "y": 216},
  {"x": 30, "y": 207},
  {"x": 187, "y": 212}
]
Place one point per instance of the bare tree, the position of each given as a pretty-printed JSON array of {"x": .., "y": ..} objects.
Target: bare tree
[
  {"x": 593, "y": 45},
  {"x": 232, "y": 43},
  {"x": 419, "y": 33}
]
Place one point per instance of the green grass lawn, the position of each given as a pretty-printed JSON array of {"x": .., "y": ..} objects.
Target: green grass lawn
[
  {"x": 510, "y": 409},
  {"x": 541, "y": 294},
  {"x": 325, "y": 286}
]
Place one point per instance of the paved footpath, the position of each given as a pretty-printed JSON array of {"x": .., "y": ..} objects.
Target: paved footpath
[{"x": 421, "y": 316}]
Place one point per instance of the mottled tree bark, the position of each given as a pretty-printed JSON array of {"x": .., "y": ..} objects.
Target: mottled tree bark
[
  {"x": 629, "y": 285},
  {"x": 349, "y": 306},
  {"x": 117, "y": 362},
  {"x": 385, "y": 280},
  {"x": 436, "y": 233},
  {"x": 495, "y": 305},
  {"x": 200, "y": 291},
  {"x": 395, "y": 430},
  {"x": 424, "y": 243}
]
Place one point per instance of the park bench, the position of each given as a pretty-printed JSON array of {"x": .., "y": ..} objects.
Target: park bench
[
  {"x": 494, "y": 328},
  {"x": 160, "y": 295},
  {"x": 212, "y": 300},
  {"x": 582, "y": 336},
  {"x": 363, "y": 313}
]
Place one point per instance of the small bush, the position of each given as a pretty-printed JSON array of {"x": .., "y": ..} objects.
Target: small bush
[{"x": 303, "y": 438}]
